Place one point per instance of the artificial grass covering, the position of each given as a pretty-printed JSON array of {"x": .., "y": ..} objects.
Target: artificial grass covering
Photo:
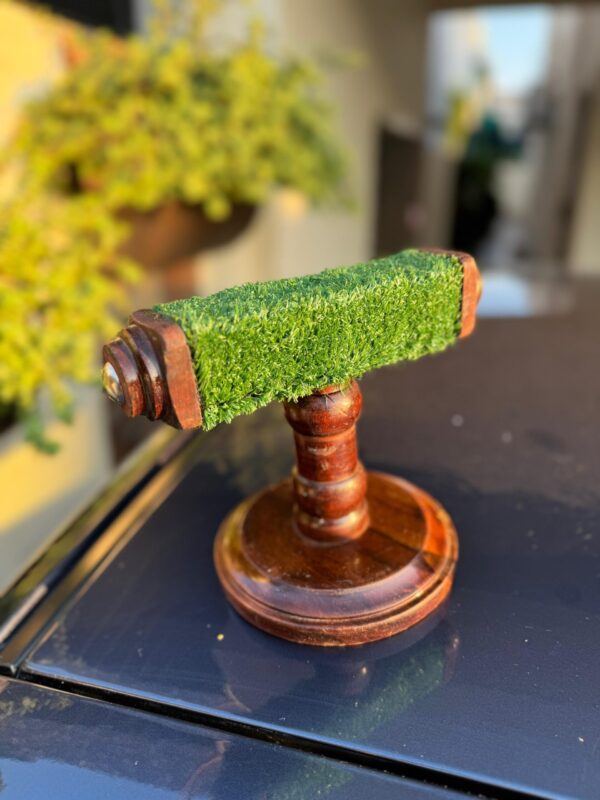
[{"x": 281, "y": 340}]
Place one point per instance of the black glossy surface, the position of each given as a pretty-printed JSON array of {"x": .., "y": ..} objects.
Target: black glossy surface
[
  {"x": 503, "y": 430},
  {"x": 55, "y": 746}
]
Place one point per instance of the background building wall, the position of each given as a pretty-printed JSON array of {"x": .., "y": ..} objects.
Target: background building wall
[
  {"x": 288, "y": 239},
  {"x": 584, "y": 255}
]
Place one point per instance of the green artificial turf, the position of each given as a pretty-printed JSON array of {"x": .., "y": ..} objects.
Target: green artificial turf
[{"x": 284, "y": 339}]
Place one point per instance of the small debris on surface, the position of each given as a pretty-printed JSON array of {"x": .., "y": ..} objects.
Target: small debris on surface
[
  {"x": 220, "y": 637},
  {"x": 457, "y": 420}
]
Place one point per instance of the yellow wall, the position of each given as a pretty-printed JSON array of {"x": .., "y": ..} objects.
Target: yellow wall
[
  {"x": 29, "y": 60},
  {"x": 42, "y": 492}
]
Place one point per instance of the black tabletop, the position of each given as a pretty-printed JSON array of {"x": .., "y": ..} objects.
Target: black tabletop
[
  {"x": 505, "y": 688},
  {"x": 56, "y": 745}
]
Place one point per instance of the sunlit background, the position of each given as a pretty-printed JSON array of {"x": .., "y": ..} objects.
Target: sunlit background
[{"x": 469, "y": 128}]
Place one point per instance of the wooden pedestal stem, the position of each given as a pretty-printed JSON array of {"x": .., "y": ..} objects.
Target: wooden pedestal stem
[
  {"x": 333, "y": 555},
  {"x": 329, "y": 481}
]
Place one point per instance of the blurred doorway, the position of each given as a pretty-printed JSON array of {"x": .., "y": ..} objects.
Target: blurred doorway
[
  {"x": 398, "y": 191},
  {"x": 511, "y": 102},
  {"x": 118, "y": 15}
]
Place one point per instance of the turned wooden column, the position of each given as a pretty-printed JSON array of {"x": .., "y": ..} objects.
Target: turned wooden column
[{"x": 329, "y": 481}]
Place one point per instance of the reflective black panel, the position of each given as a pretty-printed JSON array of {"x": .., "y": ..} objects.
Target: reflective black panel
[
  {"x": 503, "y": 431},
  {"x": 54, "y": 745}
]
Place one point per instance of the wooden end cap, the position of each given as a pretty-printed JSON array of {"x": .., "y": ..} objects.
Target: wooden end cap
[
  {"x": 471, "y": 294},
  {"x": 148, "y": 371},
  {"x": 472, "y": 288}
]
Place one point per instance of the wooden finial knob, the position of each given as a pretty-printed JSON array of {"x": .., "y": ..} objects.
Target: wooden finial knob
[{"x": 148, "y": 371}]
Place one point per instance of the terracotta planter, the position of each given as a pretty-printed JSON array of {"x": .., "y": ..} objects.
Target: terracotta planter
[
  {"x": 168, "y": 238},
  {"x": 174, "y": 232}
]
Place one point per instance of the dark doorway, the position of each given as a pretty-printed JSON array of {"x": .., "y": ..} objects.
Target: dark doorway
[
  {"x": 398, "y": 191},
  {"x": 114, "y": 14}
]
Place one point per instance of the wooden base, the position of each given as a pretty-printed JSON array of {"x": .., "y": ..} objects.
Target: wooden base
[{"x": 344, "y": 593}]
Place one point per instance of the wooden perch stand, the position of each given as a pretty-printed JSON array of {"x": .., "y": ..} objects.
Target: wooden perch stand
[{"x": 333, "y": 555}]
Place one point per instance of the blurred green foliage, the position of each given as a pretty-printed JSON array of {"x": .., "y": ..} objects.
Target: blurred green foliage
[
  {"x": 62, "y": 285},
  {"x": 151, "y": 119},
  {"x": 137, "y": 123},
  {"x": 283, "y": 339}
]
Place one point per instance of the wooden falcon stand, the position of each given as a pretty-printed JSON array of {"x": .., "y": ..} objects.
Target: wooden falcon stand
[{"x": 332, "y": 555}]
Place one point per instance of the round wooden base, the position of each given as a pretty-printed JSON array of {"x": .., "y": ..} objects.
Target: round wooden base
[{"x": 349, "y": 593}]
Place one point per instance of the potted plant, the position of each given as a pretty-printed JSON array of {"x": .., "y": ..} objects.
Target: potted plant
[
  {"x": 150, "y": 148},
  {"x": 180, "y": 138}
]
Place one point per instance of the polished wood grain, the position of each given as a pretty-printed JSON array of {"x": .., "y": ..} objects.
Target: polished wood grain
[
  {"x": 333, "y": 555},
  {"x": 154, "y": 366},
  {"x": 329, "y": 481},
  {"x": 385, "y": 581},
  {"x": 471, "y": 294}
]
